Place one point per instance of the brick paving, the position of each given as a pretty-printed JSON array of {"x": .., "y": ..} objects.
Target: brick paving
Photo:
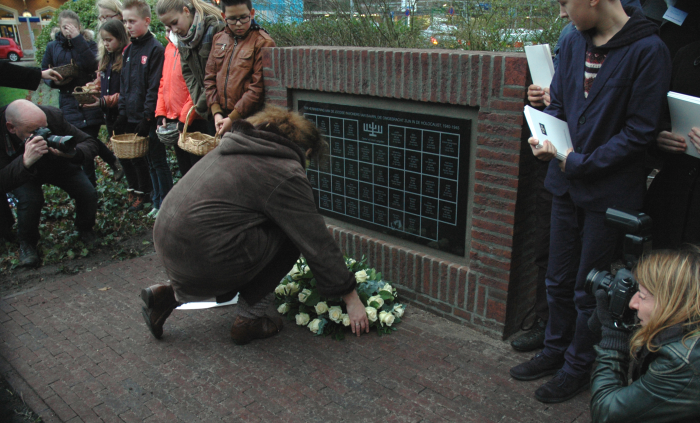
[{"x": 77, "y": 353}]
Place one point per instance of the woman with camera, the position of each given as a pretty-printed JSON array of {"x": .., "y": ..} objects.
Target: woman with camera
[{"x": 664, "y": 350}]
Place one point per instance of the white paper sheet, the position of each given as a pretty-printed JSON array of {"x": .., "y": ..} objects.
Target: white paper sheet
[
  {"x": 539, "y": 60},
  {"x": 685, "y": 114},
  {"x": 206, "y": 304},
  {"x": 548, "y": 128}
]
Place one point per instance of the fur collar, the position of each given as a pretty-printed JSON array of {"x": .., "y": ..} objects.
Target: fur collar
[{"x": 268, "y": 132}]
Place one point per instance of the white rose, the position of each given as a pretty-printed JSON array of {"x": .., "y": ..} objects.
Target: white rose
[
  {"x": 291, "y": 288},
  {"x": 303, "y": 295},
  {"x": 376, "y": 298},
  {"x": 295, "y": 273},
  {"x": 283, "y": 309},
  {"x": 361, "y": 276},
  {"x": 313, "y": 326},
  {"x": 386, "y": 318},
  {"x": 371, "y": 313},
  {"x": 398, "y": 310},
  {"x": 321, "y": 307},
  {"x": 350, "y": 262},
  {"x": 387, "y": 288},
  {"x": 346, "y": 320},
  {"x": 335, "y": 313},
  {"x": 302, "y": 319},
  {"x": 279, "y": 290}
]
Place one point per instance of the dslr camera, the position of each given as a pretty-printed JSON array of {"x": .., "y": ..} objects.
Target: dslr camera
[
  {"x": 64, "y": 144},
  {"x": 622, "y": 286}
]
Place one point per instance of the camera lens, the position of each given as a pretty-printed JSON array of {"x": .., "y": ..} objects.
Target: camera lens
[{"x": 597, "y": 279}]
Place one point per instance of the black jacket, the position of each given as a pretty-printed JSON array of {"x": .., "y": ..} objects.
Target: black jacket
[
  {"x": 15, "y": 76},
  {"x": 83, "y": 52},
  {"x": 110, "y": 84},
  {"x": 140, "y": 78},
  {"x": 12, "y": 171}
]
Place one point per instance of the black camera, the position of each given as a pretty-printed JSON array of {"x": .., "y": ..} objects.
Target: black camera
[
  {"x": 622, "y": 287},
  {"x": 64, "y": 144}
]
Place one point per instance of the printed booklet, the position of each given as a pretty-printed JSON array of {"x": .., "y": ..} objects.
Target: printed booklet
[
  {"x": 548, "y": 128},
  {"x": 685, "y": 114},
  {"x": 539, "y": 60}
]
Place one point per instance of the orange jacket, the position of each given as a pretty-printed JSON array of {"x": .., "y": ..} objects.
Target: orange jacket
[{"x": 173, "y": 97}]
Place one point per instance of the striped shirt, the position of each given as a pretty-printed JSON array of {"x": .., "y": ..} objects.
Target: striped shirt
[{"x": 594, "y": 61}]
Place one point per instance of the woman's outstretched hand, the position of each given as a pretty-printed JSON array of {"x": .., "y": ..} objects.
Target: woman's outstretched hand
[{"x": 357, "y": 313}]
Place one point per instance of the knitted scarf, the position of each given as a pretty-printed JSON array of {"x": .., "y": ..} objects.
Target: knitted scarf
[{"x": 195, "y": 34}]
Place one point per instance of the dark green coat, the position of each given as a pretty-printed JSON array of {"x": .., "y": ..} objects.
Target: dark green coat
[
  {"x": 667, "y": 391},
  {"x": 194, "y": 61}
]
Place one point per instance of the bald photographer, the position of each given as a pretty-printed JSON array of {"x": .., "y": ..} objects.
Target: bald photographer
[{"x": 40, "y": 147}]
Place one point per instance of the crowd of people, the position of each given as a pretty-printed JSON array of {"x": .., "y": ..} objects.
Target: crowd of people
[
  {"x": 142, "y": 86},
  {"x": 241, "y": 216}
]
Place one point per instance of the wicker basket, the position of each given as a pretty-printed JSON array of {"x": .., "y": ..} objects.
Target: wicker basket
[
  {"x": 197, "y": 143},
  {"x": 129, "y": 146},
  {"x": 84, "y": 95},
  {"x": 67, "y": 72}
]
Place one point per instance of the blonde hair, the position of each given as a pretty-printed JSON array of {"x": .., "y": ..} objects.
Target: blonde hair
[
  {"x": 294, "y": 127},
  {"x": 140, "y": 6},
  {"x": 117, "y": 30},
  {"x": 113, "y": 5},
  {"x": 204, "y": 9},
  {"x": 673, "y": 278}
]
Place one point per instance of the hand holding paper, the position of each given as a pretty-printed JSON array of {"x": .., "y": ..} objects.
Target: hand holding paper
[
  {"x": 548, "y": 128},
  {"x": 685, "y": 113}
]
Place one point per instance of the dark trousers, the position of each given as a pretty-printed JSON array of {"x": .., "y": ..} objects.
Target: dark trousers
[
  {"x": 7, "y": 221},
  {"x": 30, "y": 199},
  {"x": 580, "y": 241},
  {"x": 267, "y": 280},
  {"x": 161, "y": 178},
  {"x": 136, "y": 170},
  {"x": 543, "y": 210},
  {"x": 102, "y": 151}
]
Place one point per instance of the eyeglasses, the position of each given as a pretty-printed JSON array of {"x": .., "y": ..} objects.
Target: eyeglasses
[
  {"x": 234, "y": 21},
  {"x": 104, "y": 18}
]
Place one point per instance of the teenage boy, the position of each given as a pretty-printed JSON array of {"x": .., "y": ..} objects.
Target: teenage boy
[
  {"x": 234, "y": 76},
  {"x": 140, "y": 80},
  {"x": 610, "y": 87}
]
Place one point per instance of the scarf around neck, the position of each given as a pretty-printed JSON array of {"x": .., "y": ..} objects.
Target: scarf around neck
[{"x": 195, "y": 34}]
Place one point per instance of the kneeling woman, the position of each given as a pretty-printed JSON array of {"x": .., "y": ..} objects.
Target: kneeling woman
[
  {"x": 665, "y": 351},
  {"x": 237, "y": 222}
]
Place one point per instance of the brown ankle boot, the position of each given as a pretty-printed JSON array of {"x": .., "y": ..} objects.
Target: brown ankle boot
[
  {"x": 245, "y": 330},
  {"x": 160, "y": 302}
]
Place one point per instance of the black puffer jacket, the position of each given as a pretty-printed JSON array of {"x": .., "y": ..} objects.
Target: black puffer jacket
[
  {"x": 140, "y": 78},
  {"x": 82, "y": 50}
]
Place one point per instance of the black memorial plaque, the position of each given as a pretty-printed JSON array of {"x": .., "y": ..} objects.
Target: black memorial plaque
[{"x": 396, "y": 172}]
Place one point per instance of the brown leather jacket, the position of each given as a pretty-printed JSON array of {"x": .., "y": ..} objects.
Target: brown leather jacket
[{"x": 234, "y": 73}]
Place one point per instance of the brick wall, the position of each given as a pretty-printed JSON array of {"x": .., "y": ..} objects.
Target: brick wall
[{"x": 494, "y": 289}]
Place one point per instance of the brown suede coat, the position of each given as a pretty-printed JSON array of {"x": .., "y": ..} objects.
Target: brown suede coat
[{"x": 222, "y": 223}]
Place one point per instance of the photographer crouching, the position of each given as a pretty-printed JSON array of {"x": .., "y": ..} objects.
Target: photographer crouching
[
  {"x": 664, "y": 348},
  {"x": 40, "y": 147}
]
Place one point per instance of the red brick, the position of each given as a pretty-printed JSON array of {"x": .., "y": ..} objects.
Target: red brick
[
  {"x": 427, "y": 262},
  {"x": 496, "y": 76},
  {"x": 494, "y": 215},
  {"x": 478, "y": 267},
  {"x": 512, "y": 106},
  {"x": 499, "y": 143},
  {"x": 502, "y": 180},
  {"x": 512, "y": 119},
  {"x": 486, "y": 73},
  {"x": 500, "y": 264},
  {"x": 490, "y": 249},
  {"x": 456, "y": 79},
  {"x": 281, "y": 103},
  {"x": 519, "y": 93},
  {"x": 516, "y": 71},
  {"x": 480, "y": 300},
  {"x": 497, "y": 167},
  {"x": 364, "y": 80},
  {"x": 276, "y": 93},
  {"x": 462, "y": 314},
  {"x": 334, "y": 75},
  {"x": 500, "y": 155},
  {"x": 402, "y": 61},
  {"x": 501, "y": 193},
  {"x": 500, "y": 130},
  {"x": 492, "y": 238},
  {"x": 493, "y": 283},
  {"x": 267, "y": 57},
  {"x": 453, "y": 279},
  {"x": 356, "y": 86},
  {"x": 475, "y": 85},
  {"x": 471, "y": 291},
  {"x": 435, "y": 278}
]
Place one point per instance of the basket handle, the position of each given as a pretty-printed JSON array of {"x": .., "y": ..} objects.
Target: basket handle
[
  {"x": 187, "y": 119},
  {"x": 79, "y": 90}
]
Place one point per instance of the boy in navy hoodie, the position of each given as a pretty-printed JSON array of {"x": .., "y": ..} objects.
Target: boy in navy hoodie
[
  {"x": 140, "y": 80},
  {"x": 610, "y": 87}
]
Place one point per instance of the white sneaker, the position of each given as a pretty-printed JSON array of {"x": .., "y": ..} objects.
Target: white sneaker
[{"x": 153, "y": 213}]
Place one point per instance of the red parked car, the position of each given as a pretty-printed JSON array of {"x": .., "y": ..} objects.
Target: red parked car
[{"x": 10, "y": 50}]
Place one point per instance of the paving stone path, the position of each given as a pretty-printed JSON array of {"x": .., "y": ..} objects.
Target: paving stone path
[{"x": 77, "y": 350}]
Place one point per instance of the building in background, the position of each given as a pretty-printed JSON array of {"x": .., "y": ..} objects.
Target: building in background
[{"x": 23, "y": 20}]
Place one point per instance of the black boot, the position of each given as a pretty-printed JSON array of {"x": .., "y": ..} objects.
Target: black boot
[
  {"x": 532, "y": 339},
  {"x": 28, "y": 255}
]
